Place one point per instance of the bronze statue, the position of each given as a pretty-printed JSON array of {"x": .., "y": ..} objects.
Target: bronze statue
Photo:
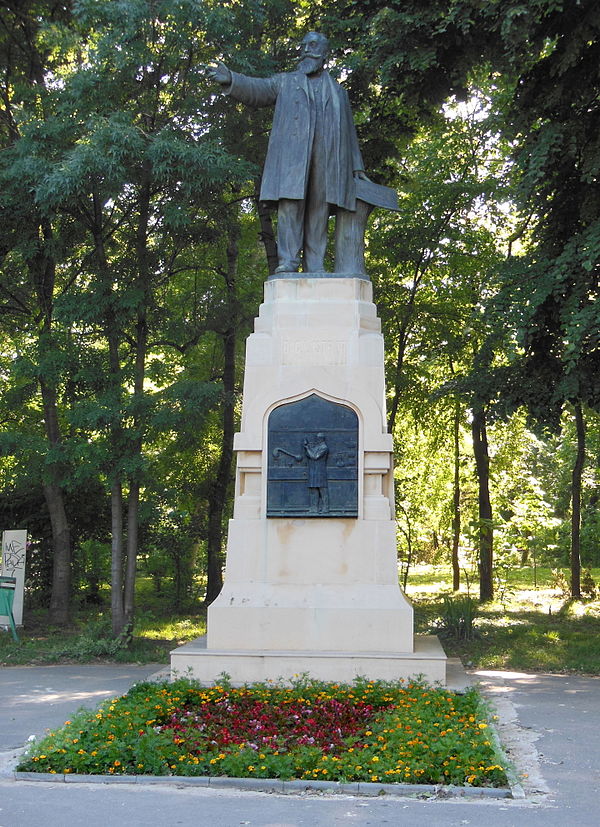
[{"x": 313, "y": 165}]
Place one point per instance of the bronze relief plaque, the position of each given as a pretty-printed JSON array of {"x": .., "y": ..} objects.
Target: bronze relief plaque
[{"x": 312, "y": 468}]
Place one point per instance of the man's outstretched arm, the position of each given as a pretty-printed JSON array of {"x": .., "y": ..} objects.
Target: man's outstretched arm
[{"x": 246, "y": 89}]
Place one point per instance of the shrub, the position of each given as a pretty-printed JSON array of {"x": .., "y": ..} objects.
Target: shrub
[
  {"x": 95, "y": 641},
  {"x": 559, "y": 581},
  {"x": 458, "y": 616},
  {"x": 588, "y": 585}
]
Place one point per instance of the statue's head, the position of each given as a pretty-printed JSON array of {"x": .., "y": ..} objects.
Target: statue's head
[{"x": 314, "y": 50}]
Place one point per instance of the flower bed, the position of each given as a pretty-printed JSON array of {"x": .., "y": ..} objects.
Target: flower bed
[{"x": 367, "y": 731}]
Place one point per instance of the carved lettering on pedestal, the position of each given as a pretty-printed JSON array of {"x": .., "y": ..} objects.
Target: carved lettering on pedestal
[{"x": 314, "y": 353}]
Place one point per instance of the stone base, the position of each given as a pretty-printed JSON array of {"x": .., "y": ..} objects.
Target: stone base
[
  {"x": 308, "y": 585},
  {"x": 306, "y": 593},
  {"x": 195, "y": 660}
]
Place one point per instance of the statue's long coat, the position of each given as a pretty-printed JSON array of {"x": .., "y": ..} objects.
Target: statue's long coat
[{"x": 288, "y": 157}]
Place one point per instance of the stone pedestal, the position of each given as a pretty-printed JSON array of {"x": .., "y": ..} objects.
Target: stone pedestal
[{"x": 313, "y": 593}]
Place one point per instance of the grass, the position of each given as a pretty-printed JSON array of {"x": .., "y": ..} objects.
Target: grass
[
  {"x": 88, "y": 639},
  {"x": 367, "y": 731},
  {"x": 533, "y": 628}
]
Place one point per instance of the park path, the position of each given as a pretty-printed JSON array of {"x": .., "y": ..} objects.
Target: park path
[{"x": 549, "y": 723}]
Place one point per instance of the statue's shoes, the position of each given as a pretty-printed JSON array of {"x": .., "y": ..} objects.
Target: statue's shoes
[{"x": 286, "y": 267}]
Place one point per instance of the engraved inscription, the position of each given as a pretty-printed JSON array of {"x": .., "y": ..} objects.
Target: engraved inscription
[{"x": 314, "y": 353}]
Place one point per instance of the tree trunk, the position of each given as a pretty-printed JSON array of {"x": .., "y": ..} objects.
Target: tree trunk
[
  {"x": 486, "y": 534},
  {"x": 456, "y": 502},
  {"x": 409, "y": 546},
  {"x": 43, "y": 270},
  {"x": 136, "y": 438},
  {"x": 133, "y": 499},
  {"x": 112, "y": 334},
  {"x": 403, "y": 336},
  {"x": 61, "y": 560},
  {"x": 61, "y": 533},
  {"x": 576, "y": 504},
  {"x": 133, "y": 510},
  {"x": 218, "y": 490},
  {"x": 116, "y": 568}
]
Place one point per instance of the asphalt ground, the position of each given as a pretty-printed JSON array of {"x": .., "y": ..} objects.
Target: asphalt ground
[{"x": 549, "y": 725}]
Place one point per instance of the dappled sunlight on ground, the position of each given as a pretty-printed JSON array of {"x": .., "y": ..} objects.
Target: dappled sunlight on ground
[
  {"x": 173, "y": 629},
  {"x": 524, "y": 629}
]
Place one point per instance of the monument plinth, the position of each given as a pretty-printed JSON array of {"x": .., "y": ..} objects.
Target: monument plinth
[{"x": 311, "y": 580}]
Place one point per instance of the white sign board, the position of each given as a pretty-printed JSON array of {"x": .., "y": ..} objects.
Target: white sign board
[{"x": 14, "y": 544}]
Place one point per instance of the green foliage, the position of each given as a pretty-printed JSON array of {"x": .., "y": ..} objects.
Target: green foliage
[
  {"x": 537, "y": 627},
  {"x": 560, "y": 582},
  {"x": 157, "y": 630},
  {"x": 117, "y": 174},
  {"x": 588, "y": 585},
  {"x": 94, "y": 641},
  {"x": 92, "y": 568},
  {"x": 458, "y": 616}
]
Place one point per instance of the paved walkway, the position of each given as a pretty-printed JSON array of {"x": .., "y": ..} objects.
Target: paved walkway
[{"x": 550, "y": 725}]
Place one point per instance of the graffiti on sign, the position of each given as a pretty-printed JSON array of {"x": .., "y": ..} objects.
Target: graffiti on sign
[
  {"x": 13, "y": 553},
  {"x": 13, "y": 557}
]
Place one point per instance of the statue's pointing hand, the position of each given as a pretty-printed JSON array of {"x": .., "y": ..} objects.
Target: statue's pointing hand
[{"x": 219, "y": 73}]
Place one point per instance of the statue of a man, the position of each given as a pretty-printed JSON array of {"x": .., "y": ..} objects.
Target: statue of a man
[{"x": 313, "y": 159}]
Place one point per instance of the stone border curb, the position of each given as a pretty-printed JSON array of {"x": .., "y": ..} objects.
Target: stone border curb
[{"x": 276, "y": 785}]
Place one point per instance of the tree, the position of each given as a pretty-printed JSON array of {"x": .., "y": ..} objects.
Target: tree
[
  {"x": 121, "y": 161},
  {"x": 31, "y": 238},
  {"x": 548, "y": 53}
]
